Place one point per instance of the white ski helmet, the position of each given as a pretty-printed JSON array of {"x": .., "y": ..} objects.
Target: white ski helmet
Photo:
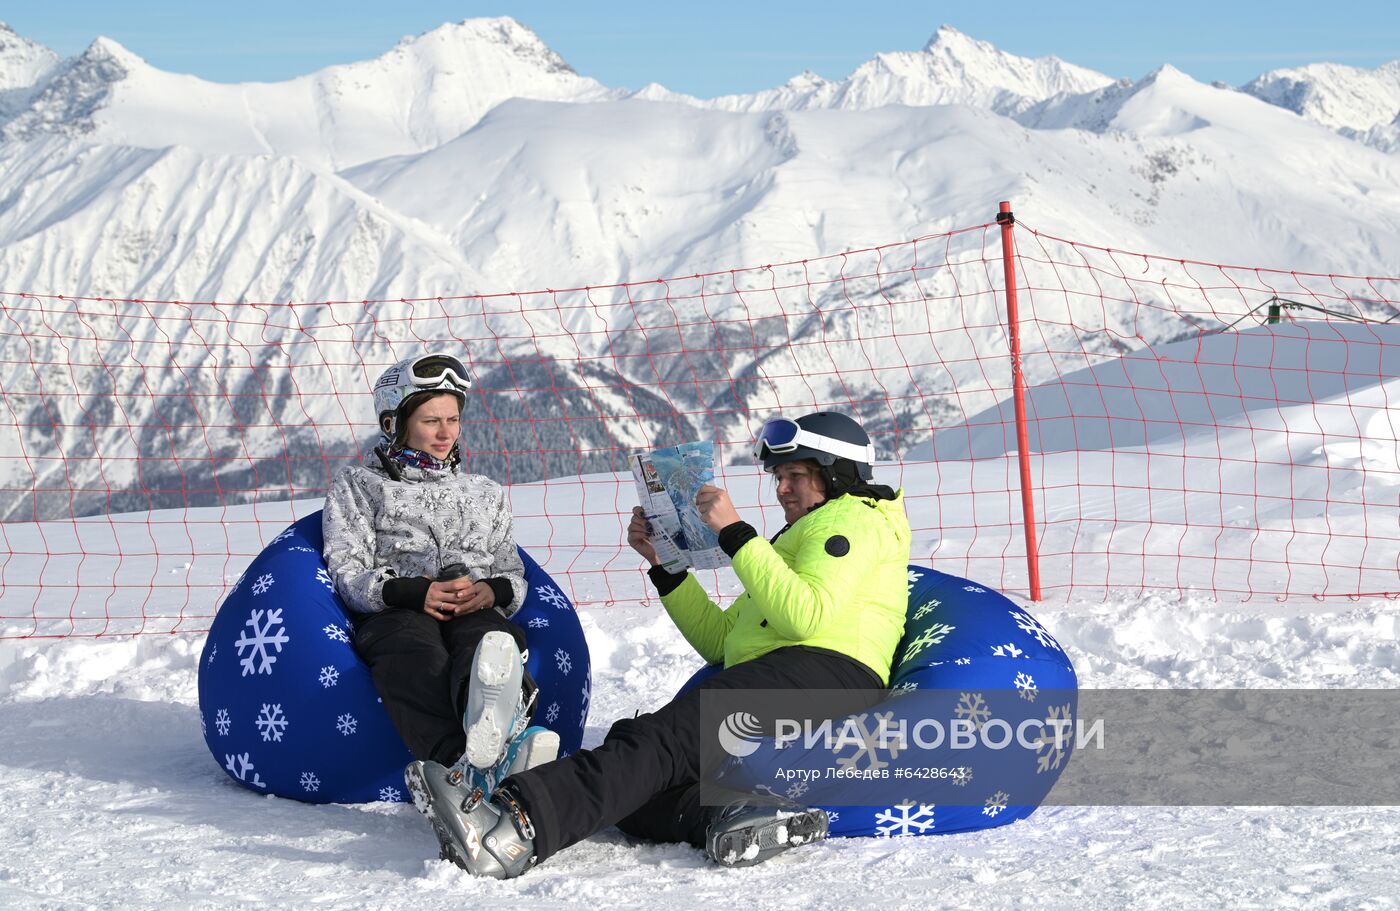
[{"x": 403, "y": 386}]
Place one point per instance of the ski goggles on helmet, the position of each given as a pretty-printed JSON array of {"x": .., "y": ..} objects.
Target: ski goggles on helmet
[
  {"x": 782, "y": 435},
  {"x": 439, "y": 371}
]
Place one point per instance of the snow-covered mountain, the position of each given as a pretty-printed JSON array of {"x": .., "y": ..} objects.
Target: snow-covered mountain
[
  {"x": 1359, "y": 103},
  {"x": 472, "y": 159},
  {"x": 953, "y": 68},
  {"x": 408, "y": 133},
  {"x": 423, "y": 92},
  {"x": 22, "y": 61}
]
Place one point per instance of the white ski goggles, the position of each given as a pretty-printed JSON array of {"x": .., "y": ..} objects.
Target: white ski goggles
[
  {"x": 782, "y": 435},
  {"x": 439, "y": 371}
]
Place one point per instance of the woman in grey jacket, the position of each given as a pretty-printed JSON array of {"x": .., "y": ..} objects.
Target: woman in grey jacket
[{"x": 424, "y": 556}]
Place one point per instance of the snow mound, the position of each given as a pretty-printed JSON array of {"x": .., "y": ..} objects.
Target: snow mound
[{"x": 1284, "y": 377}]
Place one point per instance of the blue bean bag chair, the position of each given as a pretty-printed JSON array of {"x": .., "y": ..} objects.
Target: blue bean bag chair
[
  {"x": 288, "y": 707},
  {"x": 969, "y": 656}
]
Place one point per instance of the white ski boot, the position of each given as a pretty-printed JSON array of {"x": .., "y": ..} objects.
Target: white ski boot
[
  {"x": 499, "y": 702},
  {"x": 497, "y": 710}
]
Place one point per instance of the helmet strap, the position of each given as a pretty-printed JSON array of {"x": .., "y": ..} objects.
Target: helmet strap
[{"x": 840, "y": 476}]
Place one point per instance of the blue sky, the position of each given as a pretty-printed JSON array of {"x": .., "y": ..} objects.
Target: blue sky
[{"x": 719, "y": 47}]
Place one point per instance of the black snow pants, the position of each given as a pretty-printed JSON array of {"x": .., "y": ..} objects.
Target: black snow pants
[
  {"x": 645, "y": 776},
  {"x": 421, "y": 668}
]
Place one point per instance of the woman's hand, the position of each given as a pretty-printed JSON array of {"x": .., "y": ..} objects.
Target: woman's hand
[
  {"x": 639, "y": 535},
  {"x": 456, "y": 597},
  {"x": 716, "y": 509}
]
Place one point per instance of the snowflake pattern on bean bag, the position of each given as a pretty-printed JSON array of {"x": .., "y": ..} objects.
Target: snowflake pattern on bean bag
[
  {"x": 968, "y": 653},
  {"x": 288, "y": 707}
]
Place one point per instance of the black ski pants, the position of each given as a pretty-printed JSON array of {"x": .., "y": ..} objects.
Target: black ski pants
[
  {"x": 645, "y": 776},
  {"x": 422, "y": 668}
]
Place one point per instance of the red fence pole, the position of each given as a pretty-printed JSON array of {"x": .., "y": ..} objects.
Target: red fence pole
[{"x": 1018, "y": 397}]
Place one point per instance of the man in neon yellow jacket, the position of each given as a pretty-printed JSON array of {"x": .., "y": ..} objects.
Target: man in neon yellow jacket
[
  {"x": 823, "y": 608},
  {"x": 834, "y": 578}
]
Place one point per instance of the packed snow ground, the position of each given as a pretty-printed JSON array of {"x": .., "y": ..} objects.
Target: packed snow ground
[{"x": 111, "y": 798}]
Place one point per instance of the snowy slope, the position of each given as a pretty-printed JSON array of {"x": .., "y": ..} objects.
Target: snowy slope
[
  {"x": 112, "y": 799},
  {"x": 182, "y": 225},
  {"x": 1182, "y": 393},
  {"x": 1129, "y": 451}
]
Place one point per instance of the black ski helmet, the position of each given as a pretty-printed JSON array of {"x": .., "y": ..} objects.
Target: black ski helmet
[{"x": 837, "y": 443}]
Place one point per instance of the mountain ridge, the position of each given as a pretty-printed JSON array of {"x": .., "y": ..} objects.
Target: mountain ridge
[
  {"x": 512, "y": 61},
  {"x": 420, "y": 93},
  {"x": 381, "y": 182}
]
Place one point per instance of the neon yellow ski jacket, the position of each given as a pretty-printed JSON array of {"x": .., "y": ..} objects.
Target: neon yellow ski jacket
[{"x": 835, "y": 579}]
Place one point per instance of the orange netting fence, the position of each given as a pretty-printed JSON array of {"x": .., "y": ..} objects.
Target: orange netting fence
[{"x": 1185, "y": 425}]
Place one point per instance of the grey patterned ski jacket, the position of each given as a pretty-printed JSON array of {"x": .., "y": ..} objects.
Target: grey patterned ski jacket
[{"x": 377, "y": 529}]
